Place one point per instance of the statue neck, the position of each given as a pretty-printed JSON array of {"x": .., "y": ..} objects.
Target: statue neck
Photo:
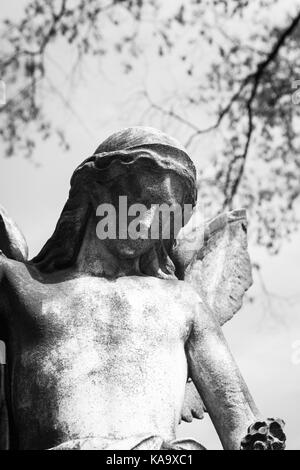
[{"x": 95, "y": 258}]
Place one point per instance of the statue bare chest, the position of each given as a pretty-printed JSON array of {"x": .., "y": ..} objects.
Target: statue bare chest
[
  {"x": 96, "y": 321},
  {"x": 90, "y": 346}
]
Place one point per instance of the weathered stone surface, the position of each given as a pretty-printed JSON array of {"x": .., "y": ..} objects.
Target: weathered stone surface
[{"x": 265, "y": 435}]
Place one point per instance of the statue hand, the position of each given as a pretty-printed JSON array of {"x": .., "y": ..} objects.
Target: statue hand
[{"x": 265, "y": 435}]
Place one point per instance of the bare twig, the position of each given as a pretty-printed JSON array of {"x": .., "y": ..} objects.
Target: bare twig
[{"x": 255, "y": 78}]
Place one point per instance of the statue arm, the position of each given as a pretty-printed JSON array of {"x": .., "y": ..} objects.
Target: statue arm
[
  {"x": 218, "y": 380},
  {"x": 4, "y": 427},
  {"x": 12, "y": 246},
  {"x": 2, "y": 275}
]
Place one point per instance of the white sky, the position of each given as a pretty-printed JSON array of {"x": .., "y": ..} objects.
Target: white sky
[{"x": 261, "y": 336}]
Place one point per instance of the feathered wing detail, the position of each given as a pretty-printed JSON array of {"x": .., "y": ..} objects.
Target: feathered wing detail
[
  {"x": 12, "y": 241},
  {"x": 221, "y": 271},
  {"x": 219, "y": 268}
]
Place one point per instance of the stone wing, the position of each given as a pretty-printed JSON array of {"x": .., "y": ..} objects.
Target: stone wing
[{"x": 219, "y": 268}]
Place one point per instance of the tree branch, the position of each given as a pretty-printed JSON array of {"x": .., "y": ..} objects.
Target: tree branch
[
  {"x": 256, "y": 77},
  {"x": 253, "y": 78}
]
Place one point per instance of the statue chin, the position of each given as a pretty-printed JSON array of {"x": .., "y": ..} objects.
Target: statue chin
[{"x": 129, "y": 249}]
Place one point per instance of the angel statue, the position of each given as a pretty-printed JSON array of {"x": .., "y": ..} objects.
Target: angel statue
[{"x": 112, "y": 338}]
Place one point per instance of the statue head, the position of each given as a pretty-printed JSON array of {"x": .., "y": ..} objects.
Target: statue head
[{"x": 148, "y": 168}]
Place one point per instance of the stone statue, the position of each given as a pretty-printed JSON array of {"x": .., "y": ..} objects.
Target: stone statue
[{"x": 112, "y": 340}]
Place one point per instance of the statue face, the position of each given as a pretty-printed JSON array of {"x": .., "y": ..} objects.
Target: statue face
[{"x": 137, "y": 198}]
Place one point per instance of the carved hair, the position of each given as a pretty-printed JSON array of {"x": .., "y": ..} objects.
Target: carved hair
[{"x": 62, "y": 249}]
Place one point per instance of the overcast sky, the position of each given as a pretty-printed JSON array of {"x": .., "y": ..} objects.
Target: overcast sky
[{"x": 261, "y": 336}]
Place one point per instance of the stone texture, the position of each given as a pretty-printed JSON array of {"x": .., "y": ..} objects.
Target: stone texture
[{"x": 265, "y": 435}]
